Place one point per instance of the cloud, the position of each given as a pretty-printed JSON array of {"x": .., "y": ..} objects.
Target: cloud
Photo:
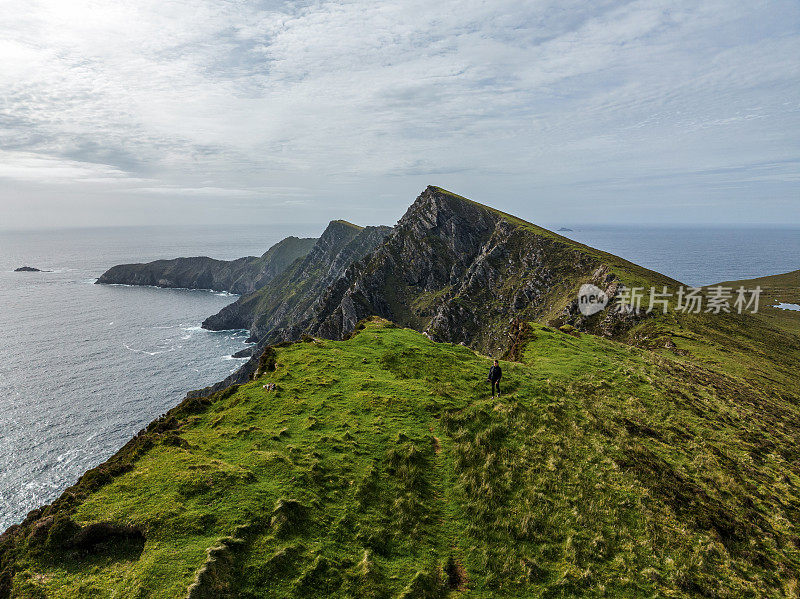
[
  {"x": 29, "y": 166},
  {"x": 224, "y": 192},
  {"x": 338, "y": 100}
]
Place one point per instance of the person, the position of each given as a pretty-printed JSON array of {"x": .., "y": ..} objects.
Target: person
[{"x": 495, "y": 374}]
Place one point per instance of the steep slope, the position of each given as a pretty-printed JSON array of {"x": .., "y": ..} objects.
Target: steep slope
[
  {"x": 244, "y": 275},
  {"x": 378, "y": 467},
  {"x": 288, "y": 298},
  {"x": 463, "y": 272}
]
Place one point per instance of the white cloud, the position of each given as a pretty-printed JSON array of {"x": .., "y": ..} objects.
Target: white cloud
[
  {"x": 29, "y": 166},
  {"x": 340, "y": 100}
]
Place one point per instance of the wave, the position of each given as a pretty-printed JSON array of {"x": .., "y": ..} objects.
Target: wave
[
  {"x": 212, "y": 291},
  {"x": 153, "y": 353}
]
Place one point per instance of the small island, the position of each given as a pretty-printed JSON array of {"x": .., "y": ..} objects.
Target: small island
[
  {"x": 27, "y": 269},
  {"x": 563, "y": 229}
]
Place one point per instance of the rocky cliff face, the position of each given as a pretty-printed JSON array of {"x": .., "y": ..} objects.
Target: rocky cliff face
[
  {"x": 464, "y": 273},
  {"x": 241, "y": 276},
  {"x": 275, "y": 310}
]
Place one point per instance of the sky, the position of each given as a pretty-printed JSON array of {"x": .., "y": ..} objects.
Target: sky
[{"x": 196, "y": 112}]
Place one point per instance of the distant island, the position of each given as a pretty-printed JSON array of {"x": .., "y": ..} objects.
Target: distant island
[
  {"x": 562, "y": 229},
  {"x": 27, "y": 269}
]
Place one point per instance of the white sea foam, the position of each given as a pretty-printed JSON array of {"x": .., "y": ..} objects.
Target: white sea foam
[{"x": 149, "y": 353}]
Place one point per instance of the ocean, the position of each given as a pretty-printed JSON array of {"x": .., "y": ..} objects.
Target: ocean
[
  {"x": 83, "y": 367},
  {"x": 698, "y": 256}
]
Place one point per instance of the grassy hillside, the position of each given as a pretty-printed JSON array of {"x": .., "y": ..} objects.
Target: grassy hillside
[
  {"x": 776, "y": 289},
  {"x": 379, "y": 467}
]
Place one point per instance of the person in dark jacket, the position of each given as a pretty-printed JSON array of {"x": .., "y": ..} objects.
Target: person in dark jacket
[{"x": 495, "y": 374}]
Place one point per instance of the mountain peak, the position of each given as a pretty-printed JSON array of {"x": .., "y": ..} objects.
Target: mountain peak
[
  {"x": 462, "y": 272},
  {"x": 338, "y": 228},
  {"x": 345, "y": 224},
  {"x": 336, "y": 235},
  {"x": 436, "y": 200},
  {"x": 436, "y": 209}
]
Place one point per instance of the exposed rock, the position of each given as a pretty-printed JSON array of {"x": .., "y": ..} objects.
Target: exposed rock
[
  {"x": 463, "y": 272},
  {"x": 454, "y": 269},
  {"x": 27, "y": 269},
  {"x": 241, "y": 276},
  {"x": 240, "y": 376},
  {"x": 276, "y": 311}
]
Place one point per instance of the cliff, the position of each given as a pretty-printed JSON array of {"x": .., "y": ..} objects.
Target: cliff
[
  {"x": 275, "y": 310},
  {"x": 463, "y": 272},
  {"x": 455, "y": 269},
  {"x": 244, "y": 275}
]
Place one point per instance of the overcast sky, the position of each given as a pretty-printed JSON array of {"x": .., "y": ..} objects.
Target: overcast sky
[{"x": 172, "y": 111}]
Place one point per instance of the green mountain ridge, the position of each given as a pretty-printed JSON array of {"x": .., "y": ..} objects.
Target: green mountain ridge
[
  {"x": 379, "y": 467},
  {"x": 457, "y": 270},
  {"x": 466, "y": 273},
  {"x": 630, "y": 455}
]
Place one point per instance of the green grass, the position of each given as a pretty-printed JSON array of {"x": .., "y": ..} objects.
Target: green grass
[
  {"x": 380, "y": 467},
  {"x": 782, "y": 288}
]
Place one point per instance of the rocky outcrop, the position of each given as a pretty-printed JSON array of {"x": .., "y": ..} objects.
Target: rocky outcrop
[
  {"x": 464, "y": 273},
  {"x": 27, "y": 269},
  {"x": 241, "y": 276},
  {"x": 276, "y": 310}
]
